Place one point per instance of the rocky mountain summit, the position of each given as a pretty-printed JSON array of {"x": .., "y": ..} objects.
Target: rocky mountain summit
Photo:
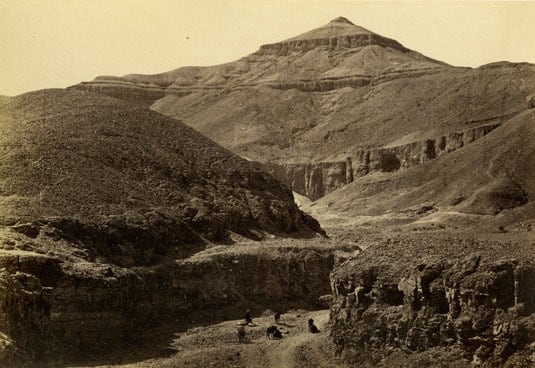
[
  {"x": 302, "y": 62},
  {"x": 334, "y": 104}
]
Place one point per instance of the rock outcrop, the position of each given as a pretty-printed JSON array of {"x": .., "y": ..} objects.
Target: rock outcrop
[
  {"x": 316, "y": 180},
  {"x": 53, "y": 308},
  {"x": 482, "y": 305}
]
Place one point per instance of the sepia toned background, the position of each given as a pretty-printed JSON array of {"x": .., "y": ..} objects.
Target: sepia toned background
[{"x": 56, "y": 43}]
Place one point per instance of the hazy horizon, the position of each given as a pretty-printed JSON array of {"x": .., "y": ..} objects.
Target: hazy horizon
[{"x": 57, "y": 43}]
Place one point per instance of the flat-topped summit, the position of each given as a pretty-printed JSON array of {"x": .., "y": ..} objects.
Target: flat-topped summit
[
  {"x": 339, "y": 33},
  {"x": 336, "y": 28}
]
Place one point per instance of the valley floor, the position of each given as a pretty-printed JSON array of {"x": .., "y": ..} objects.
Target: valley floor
[
  {"x": 218, "y": 346},
  {"x": 395, "y": 241}
]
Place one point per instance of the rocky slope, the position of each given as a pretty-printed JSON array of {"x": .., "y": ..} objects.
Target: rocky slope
[
  {"x": 4, "y": 99},
  {"x": 101, "y": 200},
  {"x": 77, "y": 157},
  {"x": 490, "y": 176},
  {"x": 335, "y": 92},
  {"x": 449, "y": 303}
]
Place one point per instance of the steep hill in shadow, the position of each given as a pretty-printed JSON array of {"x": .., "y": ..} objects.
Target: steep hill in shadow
[
  {"x": 73, "y": 156},
  {"x": 101, "y": 202}
]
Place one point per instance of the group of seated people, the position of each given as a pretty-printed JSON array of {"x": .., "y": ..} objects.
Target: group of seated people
[{"x": 272, "y": 332}]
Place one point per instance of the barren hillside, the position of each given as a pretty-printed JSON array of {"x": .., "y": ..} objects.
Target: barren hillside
[
  {"x": 74, "y": 155},
  {"x": 490, "y": 176},
  {"x": 100, "y": 201}
]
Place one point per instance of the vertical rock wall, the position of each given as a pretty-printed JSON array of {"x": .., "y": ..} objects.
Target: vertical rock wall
[
  {"x": 485, "y": 308},
  {"x": 316, "y": 180},
  {"x": 50, "y": 308}
]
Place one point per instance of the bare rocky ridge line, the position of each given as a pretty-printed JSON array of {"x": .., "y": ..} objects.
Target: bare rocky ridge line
[
  {"x": 148, "y": 94},
  {"x": 336, "y": 37},
  {"x": 315, "y": 180}
]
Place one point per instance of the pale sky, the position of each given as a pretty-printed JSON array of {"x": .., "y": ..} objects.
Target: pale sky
[{"x": 57, "y": 43}]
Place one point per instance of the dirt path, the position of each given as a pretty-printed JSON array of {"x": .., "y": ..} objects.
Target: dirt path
[{"x": 218, "y": 346}]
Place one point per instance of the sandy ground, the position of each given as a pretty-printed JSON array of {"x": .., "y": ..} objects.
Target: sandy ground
[{"x": 218, "y": 346}]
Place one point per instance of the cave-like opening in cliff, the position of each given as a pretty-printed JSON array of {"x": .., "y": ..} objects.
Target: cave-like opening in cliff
[
  {"x": 391, "y": 295},
  {"x": 390, "y": 163},
  {"x": 430, "y": 152}
]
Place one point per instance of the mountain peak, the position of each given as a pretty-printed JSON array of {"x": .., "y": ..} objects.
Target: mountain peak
[
  {"x": 338, "y": 27},
  {"x": 341, "y": 20}
]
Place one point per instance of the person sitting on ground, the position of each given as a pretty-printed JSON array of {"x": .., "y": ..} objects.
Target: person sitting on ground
[
  {"x": 272, "y": 332},
  {"x": 277, "y": 317},
  {"x": 312, "y": 327}
]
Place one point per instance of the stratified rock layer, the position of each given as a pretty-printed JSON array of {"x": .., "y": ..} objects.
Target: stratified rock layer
[
  {"x": 318, "y": 179},
  {"x": 482, "y": 304},
  {"x": 69, "y": 309}
]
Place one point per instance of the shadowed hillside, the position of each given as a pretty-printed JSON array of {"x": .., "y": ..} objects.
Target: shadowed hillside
[
  {"x": 79, "y": 156},
  {"x": 100, "y": 203}
]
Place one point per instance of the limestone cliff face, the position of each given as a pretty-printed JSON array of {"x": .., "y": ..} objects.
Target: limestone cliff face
[
  {"x": 412, "y": 154},
  {"x": 482, "y": 306},
  {"x": 50, "y": 306},
  {"x": 331, "y": 43},
  {"x": 315, "y": 180}
]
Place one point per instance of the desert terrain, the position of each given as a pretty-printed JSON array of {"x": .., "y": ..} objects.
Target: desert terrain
[{"x": 336, "y": 175}]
